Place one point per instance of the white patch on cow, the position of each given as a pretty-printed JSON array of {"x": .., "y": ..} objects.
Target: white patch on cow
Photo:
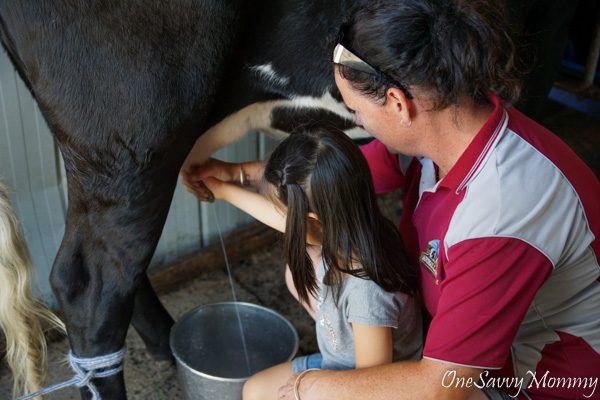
[
  {"x": 326, "y": 101},
  {"x": 329, "y": 103},
  {"x": 257, "y": 116},
  {"x": 267, "y": 72}
]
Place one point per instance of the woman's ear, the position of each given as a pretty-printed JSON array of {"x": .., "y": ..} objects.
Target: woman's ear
[
  {"x": 398, "y": 104},
  {"x": 313, "y": 216}
]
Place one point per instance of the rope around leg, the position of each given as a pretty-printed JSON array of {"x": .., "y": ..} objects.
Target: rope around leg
[{"x": 86, "y": 369}]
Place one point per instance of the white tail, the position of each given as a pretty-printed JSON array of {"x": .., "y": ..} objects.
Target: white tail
[{"x": 22, "y": 316}]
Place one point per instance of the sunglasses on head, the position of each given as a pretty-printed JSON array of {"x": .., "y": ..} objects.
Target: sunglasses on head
[{"x": 343, "y": 56}]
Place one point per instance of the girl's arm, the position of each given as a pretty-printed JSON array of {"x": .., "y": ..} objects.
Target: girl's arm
[
  {"x": 372, "y": 345},
  {"x": 255, "y": 204},
  {"x": 223, "y": 180}
]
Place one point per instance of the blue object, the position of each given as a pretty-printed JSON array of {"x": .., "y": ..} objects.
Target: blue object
[{"x": 587, "y": 106}]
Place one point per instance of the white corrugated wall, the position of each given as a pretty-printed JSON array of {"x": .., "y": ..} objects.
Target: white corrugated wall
[{"x": 31, "y": 165}]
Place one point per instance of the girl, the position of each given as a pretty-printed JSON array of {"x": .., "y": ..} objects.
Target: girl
[{"x": 346, "y": 260}]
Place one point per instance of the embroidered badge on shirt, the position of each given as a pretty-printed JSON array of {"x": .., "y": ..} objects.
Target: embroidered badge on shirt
[{"x": 430, "y": 258}]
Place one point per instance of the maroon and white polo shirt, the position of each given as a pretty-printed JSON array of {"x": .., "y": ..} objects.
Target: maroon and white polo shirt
[{"x": 508, "y": 254}]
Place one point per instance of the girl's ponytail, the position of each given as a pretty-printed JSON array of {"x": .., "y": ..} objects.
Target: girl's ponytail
[{"x": 295, "y": 248}]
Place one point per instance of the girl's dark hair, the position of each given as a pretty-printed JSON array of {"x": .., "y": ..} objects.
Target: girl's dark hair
[
  {"x": 448, "y": 48},
  {"x": 324, "y": 172}
]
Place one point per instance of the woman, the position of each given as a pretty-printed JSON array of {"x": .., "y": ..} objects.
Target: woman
[{"x": 500, "y": 216}]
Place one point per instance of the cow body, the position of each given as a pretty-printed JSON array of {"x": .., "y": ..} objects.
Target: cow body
[{"x": 127, "y": 87}]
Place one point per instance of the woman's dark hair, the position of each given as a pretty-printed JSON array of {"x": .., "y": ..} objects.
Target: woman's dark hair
[
  {"x": 323, "y": 171},
  {"x": 448, "y": 48}
]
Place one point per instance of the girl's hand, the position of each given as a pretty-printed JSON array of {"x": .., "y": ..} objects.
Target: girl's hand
[
  {"x": 212, "y": 168},
  {"x": 213, "y": 185}
]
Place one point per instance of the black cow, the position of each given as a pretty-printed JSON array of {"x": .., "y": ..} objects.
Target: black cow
[{"x": 127, "y": 87}]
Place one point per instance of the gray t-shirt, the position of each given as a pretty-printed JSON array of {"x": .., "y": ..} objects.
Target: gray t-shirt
[{"x": 364, "y": 302}]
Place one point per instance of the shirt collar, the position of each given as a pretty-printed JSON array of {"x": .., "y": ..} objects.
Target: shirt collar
[{"x": 478, "y": 150}]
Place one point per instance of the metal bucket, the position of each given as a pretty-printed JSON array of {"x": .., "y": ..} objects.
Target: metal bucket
[{"x": 208, "y": 347}]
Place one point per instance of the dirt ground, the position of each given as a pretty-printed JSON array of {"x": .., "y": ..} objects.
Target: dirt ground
[{"x": 259, "y": 279}]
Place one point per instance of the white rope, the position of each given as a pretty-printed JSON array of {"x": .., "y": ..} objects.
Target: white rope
[{"x": 86, "y": 369}]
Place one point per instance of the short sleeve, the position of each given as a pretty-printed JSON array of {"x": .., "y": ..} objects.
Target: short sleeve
[
  {"x": 368, "y": 304},
  {"x": 385, "y": 167},
  {"x": 487, "y": 286}
]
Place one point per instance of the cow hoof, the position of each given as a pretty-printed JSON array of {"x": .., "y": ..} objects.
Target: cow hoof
[
  {"x": 161, "y": 359},
  {"x": 164, "y": 365}
]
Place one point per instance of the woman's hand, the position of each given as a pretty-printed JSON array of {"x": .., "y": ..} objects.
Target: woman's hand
[
  {"x": 304, "y": 386},
  {"x": 287, "y": 392}
]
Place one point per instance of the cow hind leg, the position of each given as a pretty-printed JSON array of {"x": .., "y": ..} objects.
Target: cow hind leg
[
  {"x": 153, "y": 323},
  {"x": 22, "y": 317}
]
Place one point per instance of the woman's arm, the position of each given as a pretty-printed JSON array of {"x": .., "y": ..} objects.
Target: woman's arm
[
  {"x": 423, "y": 379},
  {"x": 372, "y": 345}
]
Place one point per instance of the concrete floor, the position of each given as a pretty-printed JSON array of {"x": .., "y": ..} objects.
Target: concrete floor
[{"x": 259, "y": 280}]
